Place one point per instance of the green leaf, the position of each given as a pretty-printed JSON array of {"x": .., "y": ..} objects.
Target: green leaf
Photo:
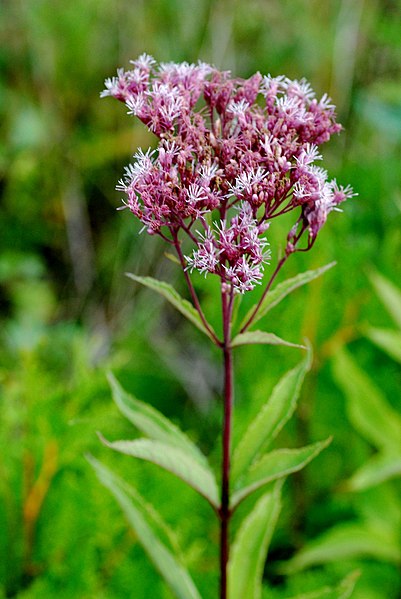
[
  {"x": 248, "y": 554},
  {"x": 274, "y": 465},
  {"x": 151, "y": 422},
  {"x": 138, "y": 513},
  {"x": 388, "y": 340},
  {"x": 260, "y": 337},
  {"x": 172, "y": 258},
  {"x": 283, "y": 289},
  {"x": 345, "y": 542},
  {"x": 377, "y": 470},
  {"x": 173, "y": 459},
  {"x": 172, "y": 296},
  {"x": 370, "y": 413},
  {"x": 342, "y": 591},
  {"x": 389, "y": 294},
  {"x": 271, "y": 418}
]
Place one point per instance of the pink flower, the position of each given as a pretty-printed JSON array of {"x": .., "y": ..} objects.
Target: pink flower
[{"x": 227, "y": 143}]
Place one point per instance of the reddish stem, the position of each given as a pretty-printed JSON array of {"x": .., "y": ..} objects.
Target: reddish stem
[
  {"x": 269, "y": 284},
  {"x": 225, "y": 513},
  {"x": 193, "y": 292}
]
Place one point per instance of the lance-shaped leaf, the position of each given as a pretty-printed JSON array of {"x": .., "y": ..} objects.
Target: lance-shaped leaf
[
  {"x": 341, "y": 591},
  {"x": 271, "y": 418},
  {"x": 275, "y": 465},
  {"x": 172, "y": 296},
  {"x": 344, "y": 542},
  {"x": 283, "y": 289},
  {"x": 389, "y": 294},
  {"x": 377, "y": 470},
  {"x": 261, "y": 338},
  {"x": 388, "y": 340},
  {"x": 174, "y": 460},
  {"x": 248, "y": 554},
  {"x": 141, "y": 517},
  {"x": 151, "y": 422},
  {"x": 370, "y": 413}
]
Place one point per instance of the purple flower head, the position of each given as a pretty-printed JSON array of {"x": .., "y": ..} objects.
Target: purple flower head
[
  {"x": 227, "y": 143},
  {"x": 234, "y": 250}
]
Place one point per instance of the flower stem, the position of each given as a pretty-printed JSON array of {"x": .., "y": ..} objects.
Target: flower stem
[
  {"x": 192, "y": 291},
  {"x": 225, "y": 513},
  {"x": 267, "y": 289}
]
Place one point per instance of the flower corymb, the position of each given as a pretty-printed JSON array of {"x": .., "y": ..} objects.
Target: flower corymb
[{"x": 232, "y": 155}]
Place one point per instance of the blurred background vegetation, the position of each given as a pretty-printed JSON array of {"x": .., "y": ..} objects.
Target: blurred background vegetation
[{"x": 68, "y": 313}]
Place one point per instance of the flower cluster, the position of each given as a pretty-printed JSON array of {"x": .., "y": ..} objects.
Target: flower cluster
[
  {"x": 226, "y": 142},
  {"x": 235, "y": 251}
]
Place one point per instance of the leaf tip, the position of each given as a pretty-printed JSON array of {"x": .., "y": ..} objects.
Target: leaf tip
[
  {"x": 89, "y": 458},
  {"x": 102, "y": 439},
  {"x": 130, "y": 275}
]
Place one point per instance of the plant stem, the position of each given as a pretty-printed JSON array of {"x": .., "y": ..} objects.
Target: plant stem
[
  {"x": 193, "y": 292},
  {"x": 225, "y": 513},
  {"x": 267, "y": 289}
]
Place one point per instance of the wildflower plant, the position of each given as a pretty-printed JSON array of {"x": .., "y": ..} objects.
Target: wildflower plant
[{"x": 232, "y": 155}]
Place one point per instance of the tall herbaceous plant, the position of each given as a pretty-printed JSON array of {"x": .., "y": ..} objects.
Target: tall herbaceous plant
[{"x": 232, "y": 156}]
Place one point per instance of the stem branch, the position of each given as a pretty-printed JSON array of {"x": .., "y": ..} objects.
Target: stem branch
[
  {"x": 193, "y": 292},
  {"x": 268, "y": 286}
]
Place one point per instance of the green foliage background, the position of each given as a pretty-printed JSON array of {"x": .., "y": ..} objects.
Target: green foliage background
[{"x": 68, "y": 313}]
